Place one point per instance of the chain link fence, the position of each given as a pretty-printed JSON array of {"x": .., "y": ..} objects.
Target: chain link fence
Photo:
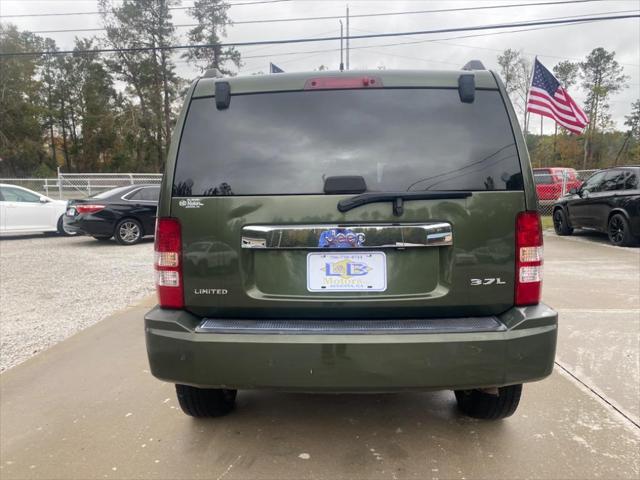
[
  {"x": 554, "y": 183},
  {"x": 82, "y": 185}
]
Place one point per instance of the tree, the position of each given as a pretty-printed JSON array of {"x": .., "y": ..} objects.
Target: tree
[
  {"x": 508, "y": 62},
  {"x": 516, "y": 75},
  {"x": 213, "y": 20},
  {"x": 567, "y": 73},
  {"x": 21, "y": 111},
  {"x": 602, "y": 76},
  {"x": 49, "y": 93},
  {"x": 150, "y": 73},
  {"x": 95, "y": 108},
  {"x": 633, "y": 122}
]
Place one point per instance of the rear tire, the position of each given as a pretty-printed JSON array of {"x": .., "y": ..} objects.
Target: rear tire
[
  {"x": 128, "y": 232},
  {"x": 61, "y": 230},
  {"x": 205, "y": 402},
  {"x": 619, "y": 231},
  {"x": 478, "y": 404},
  {"x": 560, "y": 223}
]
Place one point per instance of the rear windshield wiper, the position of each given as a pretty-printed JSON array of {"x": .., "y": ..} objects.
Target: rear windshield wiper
[{"x": 397, "y": 198}]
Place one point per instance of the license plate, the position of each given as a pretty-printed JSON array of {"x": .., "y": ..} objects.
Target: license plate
[{"x": 352, "y": 272}]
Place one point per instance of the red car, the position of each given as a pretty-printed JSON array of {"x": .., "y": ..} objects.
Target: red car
[{"x": 549, "y": 182}]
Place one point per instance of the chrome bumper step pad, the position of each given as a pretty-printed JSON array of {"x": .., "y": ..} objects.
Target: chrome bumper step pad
[{"x": 347, "y": 327}]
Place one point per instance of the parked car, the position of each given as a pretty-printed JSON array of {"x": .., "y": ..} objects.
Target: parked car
[
  {"x": 365, "y": 231},
  {"x": 126, "y": 213},
  {"x": 608, "y": 201},
  {"x": 25, "y": 211},
  {"x": 549, "y": 182}
]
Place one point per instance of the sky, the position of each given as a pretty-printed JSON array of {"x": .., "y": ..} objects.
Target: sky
[{"x": 439, "y": 51}]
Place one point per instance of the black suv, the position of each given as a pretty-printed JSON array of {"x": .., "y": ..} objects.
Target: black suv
[{"x": 608, "y": 201}]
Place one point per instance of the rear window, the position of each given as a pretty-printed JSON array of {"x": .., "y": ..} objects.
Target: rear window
[
  {"x": 113, "y": 192},
  {"x": 397, "y": 139},
  {"x": 150, "y": 194},
  {"x": 543, "y": 178}
]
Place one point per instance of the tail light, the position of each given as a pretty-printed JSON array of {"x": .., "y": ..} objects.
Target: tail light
[
  {"x": 529, "y": 253},
  {"x": 88, "y": 207},
  {"x": 327, "y": 83},
  {"x": 168, "y": 263}
]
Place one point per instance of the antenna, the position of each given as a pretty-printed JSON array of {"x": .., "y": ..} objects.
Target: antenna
[
  {"x": 341, "y": 50},
  {"x": 347, "y": 37}
]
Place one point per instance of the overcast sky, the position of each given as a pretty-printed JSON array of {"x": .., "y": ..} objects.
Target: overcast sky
[{"x": 440, "y": 51}]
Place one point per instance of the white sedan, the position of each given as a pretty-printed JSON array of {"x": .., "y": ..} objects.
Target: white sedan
[{"x": 25, "y": 211}]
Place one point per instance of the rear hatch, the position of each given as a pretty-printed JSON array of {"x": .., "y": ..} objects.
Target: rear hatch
[{"x": 433, "y": 235}]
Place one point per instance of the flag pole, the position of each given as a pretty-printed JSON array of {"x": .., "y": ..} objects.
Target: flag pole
[{"x": 526, "y": 102}]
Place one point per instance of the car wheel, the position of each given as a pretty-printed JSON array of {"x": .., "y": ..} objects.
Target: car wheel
[
  {"x": 560, "y": 224},
  {"x": 62, "y": 230},
  {"x": 205, "y": 402},
  {"x": 479, "y": 404},
  {"x": 102, "y": 238},
  {"x": 619, "y": 231},
  {"x": 128, "y": 232}
]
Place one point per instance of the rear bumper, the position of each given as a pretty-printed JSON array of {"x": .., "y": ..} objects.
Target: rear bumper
[
  {"x": 85, "y": 225},
  {"x": 521, "y": 350}
]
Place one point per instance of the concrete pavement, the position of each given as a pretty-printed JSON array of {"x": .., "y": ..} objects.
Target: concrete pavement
[
  {"x": 596, "y": 289},
  {"x": 88, "y": 408}
]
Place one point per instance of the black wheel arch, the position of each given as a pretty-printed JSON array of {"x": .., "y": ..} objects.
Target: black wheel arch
[
  {"x": 616, "y": 210},
  {"x": 562, "y": 207}
]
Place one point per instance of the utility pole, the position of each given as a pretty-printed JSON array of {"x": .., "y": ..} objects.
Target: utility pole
[
  {"x": 341, "y": 52},
  {"x": 347, "y": 37}
]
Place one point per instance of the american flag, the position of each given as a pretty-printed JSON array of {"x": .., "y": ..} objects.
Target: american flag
[{"x": 548, "y": 98}]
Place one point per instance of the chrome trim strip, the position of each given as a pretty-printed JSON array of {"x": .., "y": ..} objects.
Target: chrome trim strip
[{"x": 324, "y": 237}]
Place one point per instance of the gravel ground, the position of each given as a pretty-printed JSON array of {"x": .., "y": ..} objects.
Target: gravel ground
[{"x": 52, "y": 287}]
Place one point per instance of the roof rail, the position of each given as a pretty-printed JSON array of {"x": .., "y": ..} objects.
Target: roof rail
[{"x": 474, "y": 65}]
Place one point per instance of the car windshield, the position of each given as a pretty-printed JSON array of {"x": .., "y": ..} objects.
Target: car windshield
[{"x": 396, "y": 139}]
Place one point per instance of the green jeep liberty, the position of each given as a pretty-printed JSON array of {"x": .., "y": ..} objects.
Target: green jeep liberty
[{"x": 359, "y": 231}]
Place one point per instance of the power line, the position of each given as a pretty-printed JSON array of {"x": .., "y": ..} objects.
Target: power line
[
  {"x": 395, "y": 44},
  {"x": 523, "y": 30},
  {"x": 415, "y": 42},
  {"x": 321, "y": 39},
  {"x": 334, "y": 17},
  {"x": 56, "y": 14}
]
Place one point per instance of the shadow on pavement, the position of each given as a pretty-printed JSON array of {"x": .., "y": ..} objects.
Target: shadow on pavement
[
  {"x": 88, "y": 241},
  {"x": 590, "y": 236},
  {"x": 29, "y": 236},
  {"x": 597, "y": 237}
]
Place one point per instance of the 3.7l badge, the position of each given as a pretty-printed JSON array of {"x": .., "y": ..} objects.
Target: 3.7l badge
[{"x": 475, "y": 282}]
